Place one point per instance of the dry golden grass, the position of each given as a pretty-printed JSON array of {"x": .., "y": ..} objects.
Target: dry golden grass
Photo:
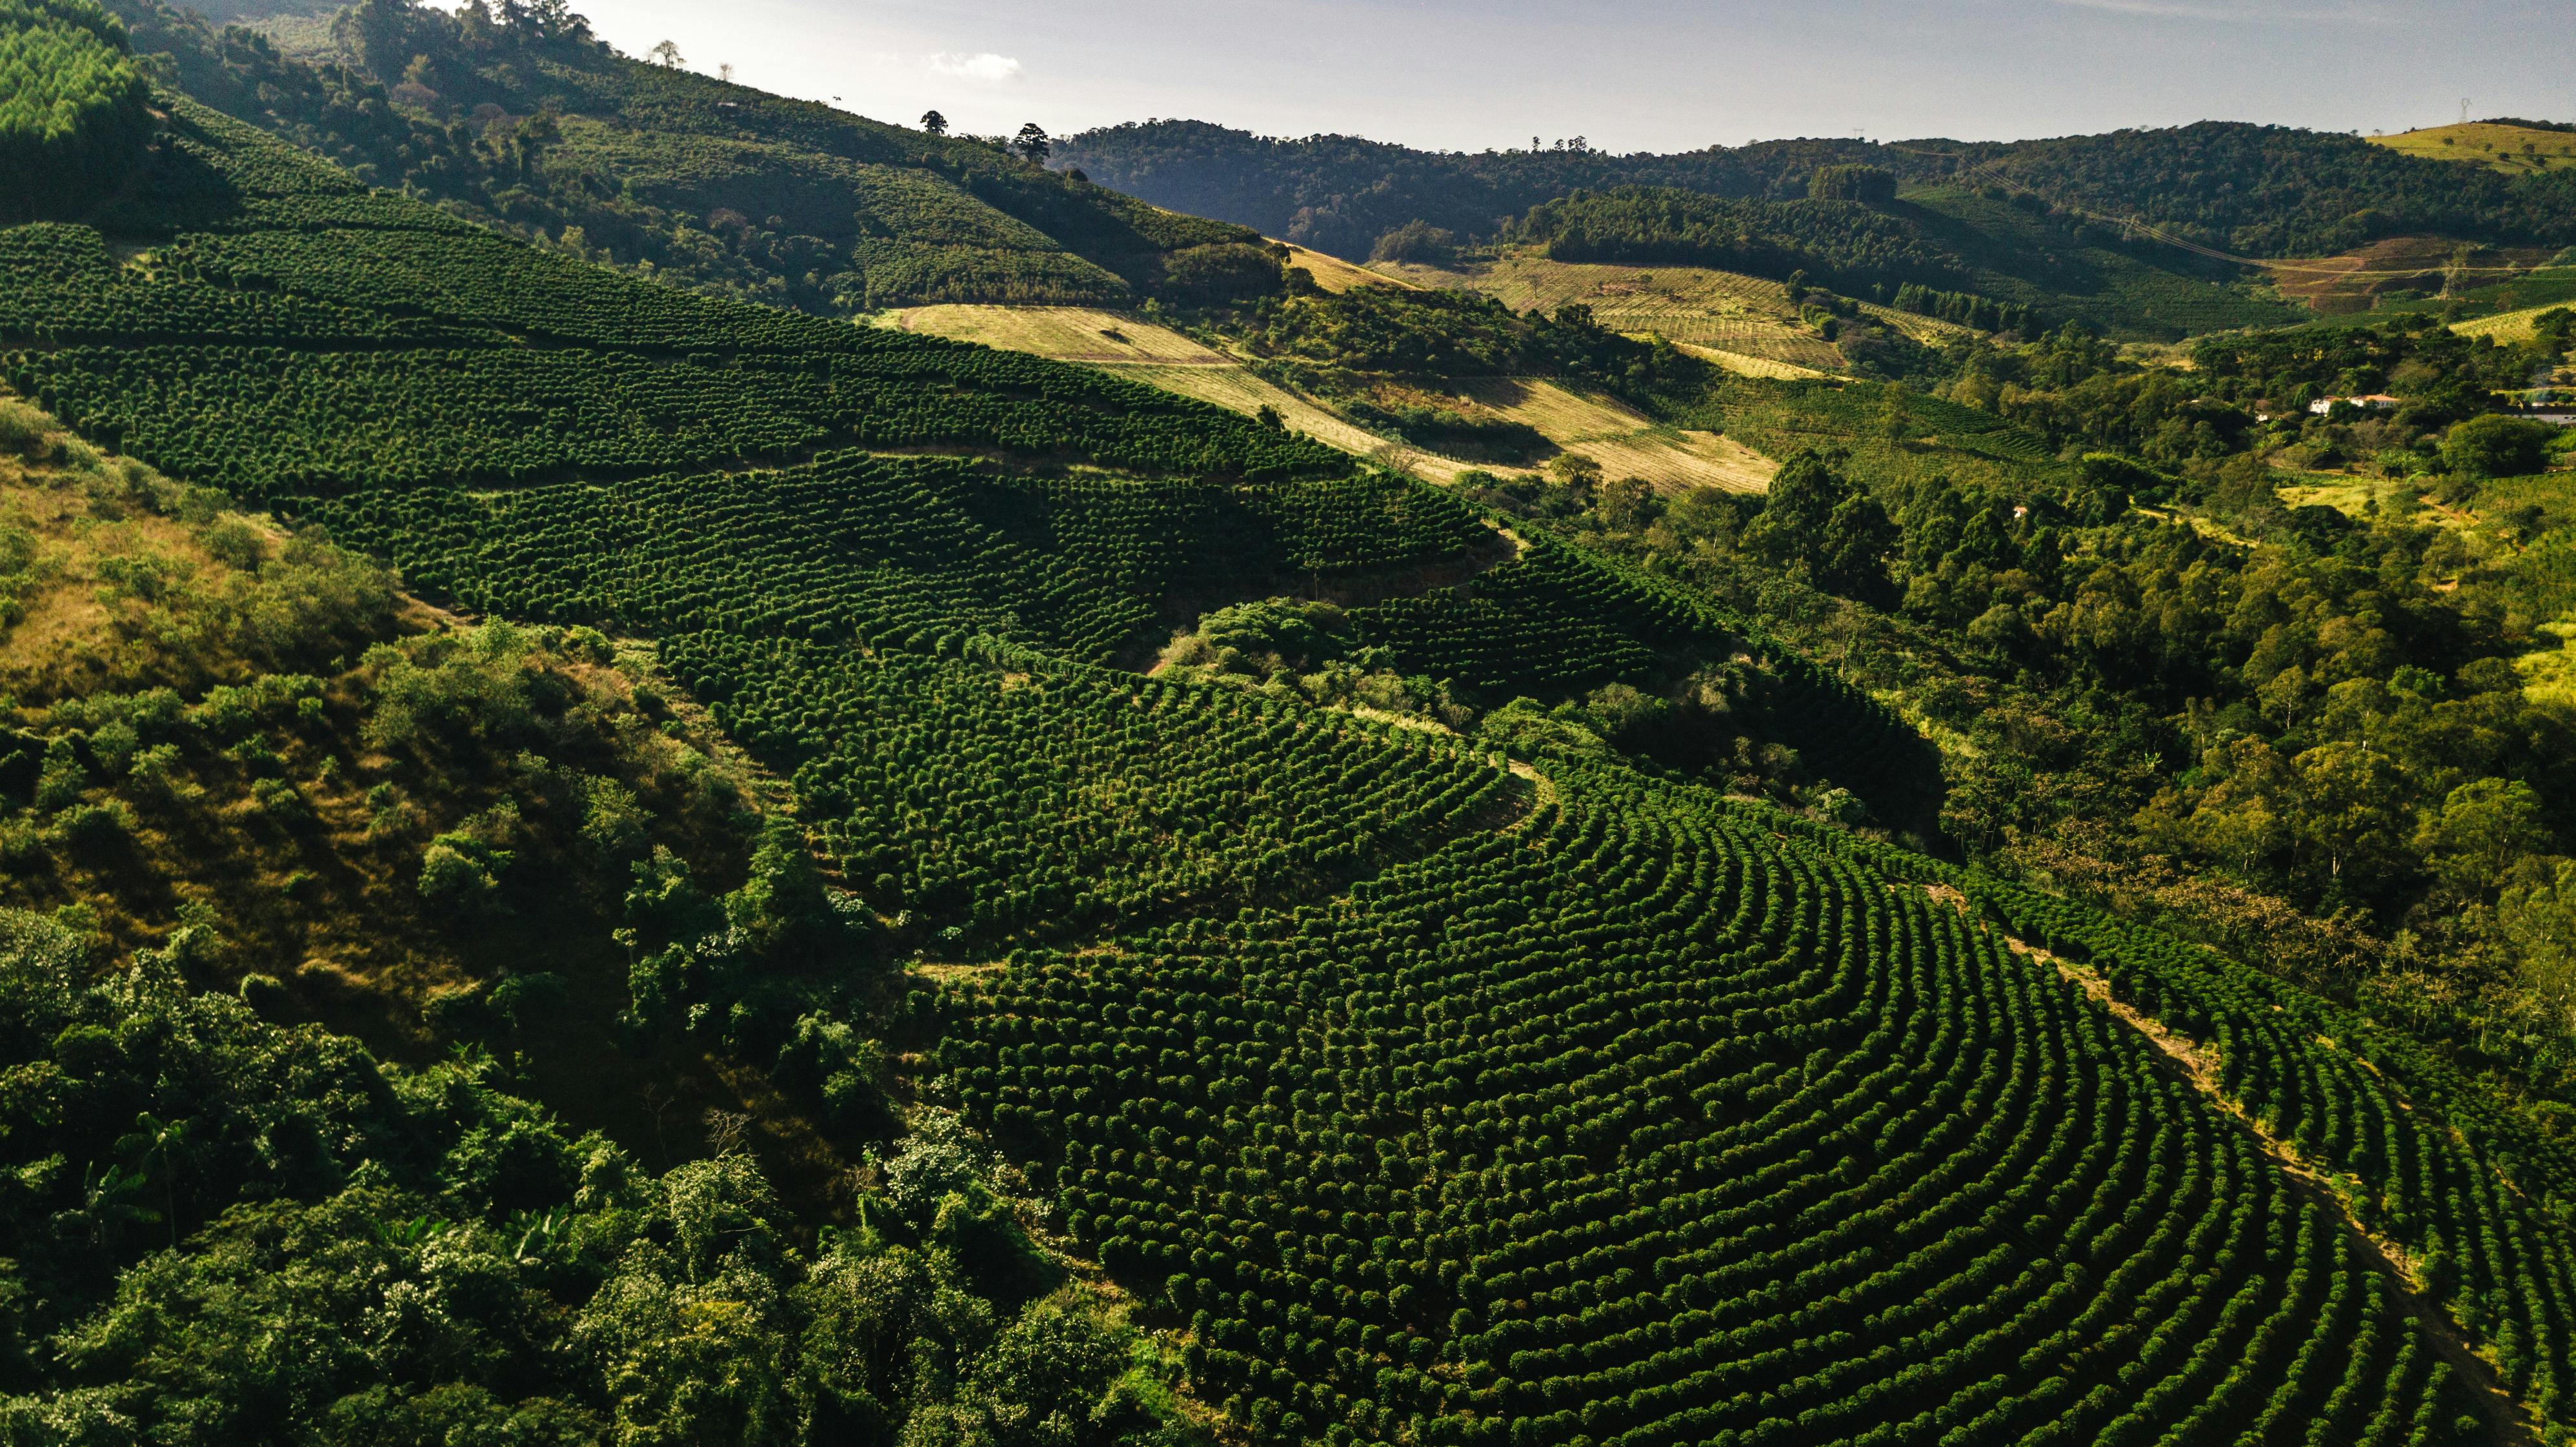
[
  {"x": 1744, "y": 316},
  {"x": 1744, "y": 365},
  {"x": 2513, "y": 150},
  {"x": 1160, "y": 357},
  {"x": 1623, "y": 440},
  {"x": 1336, "y": 275},
  {"x": 1066, "y": 333},
  {"x": 1236, "y": 389}
]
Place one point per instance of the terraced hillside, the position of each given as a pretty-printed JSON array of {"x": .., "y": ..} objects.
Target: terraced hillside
[
  {"x": 1747, "y": 319},
  {"x": 1463, "y": 1080}
]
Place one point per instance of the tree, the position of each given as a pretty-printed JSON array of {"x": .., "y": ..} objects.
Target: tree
[
  {"x": 1816, "y": 517},
  {"x": 1032, "y": 144},
  {"x": 2498, "y": 446},
  {"x": 2483, "y": 828},
  {"x": 1417, "y": 241},
  {"x": 1852, "y": 183},
  {"x": 665, "y": 55},
  {"x": 151, "y": 1148},
  {"x": 934, "y": 122}
]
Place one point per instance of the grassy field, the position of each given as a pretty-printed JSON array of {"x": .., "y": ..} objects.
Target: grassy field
[
  {"x": 1729, "y": 312},
  {"x": 1623, "y": 440},
  {"x": 1744, "y": 365},
  {"x": 1158, "y": 357},
  {"x": 2512, "y": 326},
  {"x": 2417, "y": 273},
  {"x": 1336, "y": 275},
  {"x": 2346, "y": 495},
  {"x": 2156, "y": 294},
  {"x": 1068, "y": 334},
  {"x": 2513, "y": 150}
]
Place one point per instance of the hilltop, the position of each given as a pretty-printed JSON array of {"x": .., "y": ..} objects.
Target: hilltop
[
  {"x": 2509, "y": 147},
  {"x": 2262, "y": 190},
  {"x": 2049, "y": 224},
  {"x": 526, "y": 124}
]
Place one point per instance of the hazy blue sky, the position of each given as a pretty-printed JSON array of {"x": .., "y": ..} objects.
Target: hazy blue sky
[{"x": 1643, "y": 74}]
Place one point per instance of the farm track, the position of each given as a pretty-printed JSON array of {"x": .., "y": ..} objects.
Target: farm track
[{"x": 2196, "y": 1064}]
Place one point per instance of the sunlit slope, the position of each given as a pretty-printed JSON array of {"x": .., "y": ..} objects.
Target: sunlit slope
[
  {"x": 1741, "y": 315},
  {"x": 1334, "y": 274},
  {"x": 1623, "y": 440},
  {"x": 2513, "y": 150},
  {"x": 1156, "y": 356}
]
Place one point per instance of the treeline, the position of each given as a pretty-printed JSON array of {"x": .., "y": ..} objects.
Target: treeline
[
  {"x": 2282, "y": 191},
  {"x": 1848, "y": 244},
  {"x": 2263, "y": 190},
  {"x": 73, "y": 104},
  {"x": 1964, "y": 307},
  {"x": 1341, "y": 193}
]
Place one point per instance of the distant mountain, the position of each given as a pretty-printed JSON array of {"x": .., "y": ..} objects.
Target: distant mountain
[
  {"x": 2257, "y": 190},
  {"x": 528, "y": 123}
]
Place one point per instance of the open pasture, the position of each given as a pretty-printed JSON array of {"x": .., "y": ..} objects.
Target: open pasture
[{"x": 2513, "y": 150}]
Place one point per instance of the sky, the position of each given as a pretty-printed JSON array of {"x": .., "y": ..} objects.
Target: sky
[{"x": 1659, "y": 75}]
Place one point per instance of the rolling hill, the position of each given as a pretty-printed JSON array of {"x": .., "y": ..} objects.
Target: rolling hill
[
  {"x": 528, "y": 125},
  {"x": 1179, "y": 936},
  {"x": 2018, "y": 266},
  {"x": 2042, "y": 223},
  {"x": 2508, "y": 147},
  {"x": 2261, "y": 190}
]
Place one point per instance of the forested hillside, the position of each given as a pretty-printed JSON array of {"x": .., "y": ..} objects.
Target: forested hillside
[
  {"x": 1126, "y": 926},
  {"x": 518, "y": 119},
  {"x": 2265, "y": 191},
  {"x": 1969, "y": 254},
  {"x": 72, "y": 103}
]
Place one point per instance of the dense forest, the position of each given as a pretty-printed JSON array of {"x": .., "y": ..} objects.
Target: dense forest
[
  {"x": 1846, "y": 243},
  {"x": 2260, "y": 190},
  {"x": 72, "y": 103},
  {"x": 585, "y": 859}
]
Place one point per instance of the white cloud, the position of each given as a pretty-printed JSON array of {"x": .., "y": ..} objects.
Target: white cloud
[{"x": 984, "y": 66}]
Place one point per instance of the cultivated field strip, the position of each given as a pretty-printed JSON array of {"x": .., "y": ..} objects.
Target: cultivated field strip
[{"x": 1635, "y": 1123}]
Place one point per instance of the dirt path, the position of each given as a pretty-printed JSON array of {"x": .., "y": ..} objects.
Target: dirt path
[{"x": 2505, "y": 1417}]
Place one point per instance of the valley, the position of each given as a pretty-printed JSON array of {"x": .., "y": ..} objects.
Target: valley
[{"x": 676, "y": 767}]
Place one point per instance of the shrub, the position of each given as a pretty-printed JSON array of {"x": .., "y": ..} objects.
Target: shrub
[
  {"x": 1419, "y": 242},
  {"x": 1852, "y": 183}
]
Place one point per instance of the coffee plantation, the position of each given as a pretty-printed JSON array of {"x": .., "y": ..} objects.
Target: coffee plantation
[{"x": 1427, "y": 1085}]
